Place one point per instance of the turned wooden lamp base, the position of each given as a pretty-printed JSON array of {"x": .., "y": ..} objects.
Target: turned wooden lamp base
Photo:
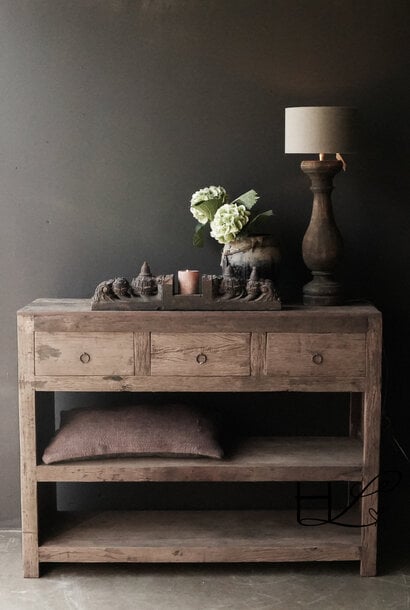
[
  {"x": 322, "y": 290},
  {"x": 322, "y": 245}
]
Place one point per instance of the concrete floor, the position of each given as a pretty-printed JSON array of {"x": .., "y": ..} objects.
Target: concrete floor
[{"x": 313, "y": 586}]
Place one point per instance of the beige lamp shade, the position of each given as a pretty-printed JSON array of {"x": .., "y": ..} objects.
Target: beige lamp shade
[{"x": 320, "y": 129}]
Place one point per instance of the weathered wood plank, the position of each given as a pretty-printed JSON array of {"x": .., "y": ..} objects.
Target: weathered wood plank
[
  {"x": 107, "y": 353},
  {"x": 258, "y": 354},
  {"x": 200, "y": 354},
  {"x": 75, "y": 316},
  {"x": 196, "y": 536},
  {"x": 371, "y": 446},
  {"x": 53, "y": 306},
  {"x": 168, "y": 383},
  {"x": 208, "y": 323},
  {"x": 319, "y": 355},
  {"x": 27, "y": 416},
  {"x": 142, "y": 353}
]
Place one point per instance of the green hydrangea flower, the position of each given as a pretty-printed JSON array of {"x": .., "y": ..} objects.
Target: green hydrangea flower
[{"x": 228, "y": 221}]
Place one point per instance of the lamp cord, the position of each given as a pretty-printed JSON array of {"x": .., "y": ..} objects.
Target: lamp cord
[{"x": 386, "y": 419}]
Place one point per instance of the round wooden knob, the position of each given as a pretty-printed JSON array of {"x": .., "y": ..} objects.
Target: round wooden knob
[
  {"x": 317, "y": 358},
  {"x": 85, "y": 357},
  {"x": 201, "y": 358}
]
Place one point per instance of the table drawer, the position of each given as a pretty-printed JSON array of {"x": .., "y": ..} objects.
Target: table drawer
[
  {"x": 84, "y": 353},
  {"x": 200, "y": 354},
  {"x": 316, "y": 354}
]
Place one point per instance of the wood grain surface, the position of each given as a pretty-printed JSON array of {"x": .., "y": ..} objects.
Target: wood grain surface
[
  {"x": 316, "y": 354},
  {"x": 195, "y": 536},
  {"x": 200, "y": 354},
  {"x": 76, "y": 353}
]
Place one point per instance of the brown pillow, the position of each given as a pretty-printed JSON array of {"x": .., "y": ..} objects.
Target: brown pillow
[{"x": 140, "y": 430}]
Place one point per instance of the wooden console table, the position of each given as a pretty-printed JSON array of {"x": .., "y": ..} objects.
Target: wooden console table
[{"x": 65, "y": 347}]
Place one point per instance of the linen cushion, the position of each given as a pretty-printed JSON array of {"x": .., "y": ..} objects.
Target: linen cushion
[{"x": 138, "y": 430}]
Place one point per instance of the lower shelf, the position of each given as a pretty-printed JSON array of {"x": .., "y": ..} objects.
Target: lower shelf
[{"x": 195, "y": 536}]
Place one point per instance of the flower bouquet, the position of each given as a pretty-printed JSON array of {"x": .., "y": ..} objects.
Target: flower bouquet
[{"x": 229, "y": 221}]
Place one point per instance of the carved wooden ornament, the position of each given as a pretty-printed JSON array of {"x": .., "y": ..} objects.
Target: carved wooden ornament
[{"x": 148, "y": 292}]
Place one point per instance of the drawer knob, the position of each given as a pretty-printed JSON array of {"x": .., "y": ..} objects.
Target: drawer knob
[
  {"x": 201, "y": 358},
  {"x": 317, "y": 358},
  {"x": 85, "y": 357}
]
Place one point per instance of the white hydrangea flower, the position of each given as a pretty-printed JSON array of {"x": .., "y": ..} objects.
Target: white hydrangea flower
[
  {"x": 210, "y": 193},
  {"x": 199, "y": 215},
  {"x": 228, "y": 221}
]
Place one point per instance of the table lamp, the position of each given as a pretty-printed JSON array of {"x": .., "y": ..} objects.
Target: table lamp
[{"x": 321, "y": 130}]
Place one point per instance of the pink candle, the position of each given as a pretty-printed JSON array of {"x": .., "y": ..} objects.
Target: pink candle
[{"x": 188, "y": 281}]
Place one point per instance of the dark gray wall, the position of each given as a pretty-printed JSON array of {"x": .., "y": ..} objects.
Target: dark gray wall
[{"x": 113, "y": 112}]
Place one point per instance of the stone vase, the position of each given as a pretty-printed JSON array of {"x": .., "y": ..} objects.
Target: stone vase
[{"x": 260, "y": 251}]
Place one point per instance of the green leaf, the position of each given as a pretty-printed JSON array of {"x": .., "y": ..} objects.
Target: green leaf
[
  {"x": 252, "y": 222},
  {"x": 208, "y": 207},
  {"x": 198, "y": 238},
  {"x": 248, "y": 199}
]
